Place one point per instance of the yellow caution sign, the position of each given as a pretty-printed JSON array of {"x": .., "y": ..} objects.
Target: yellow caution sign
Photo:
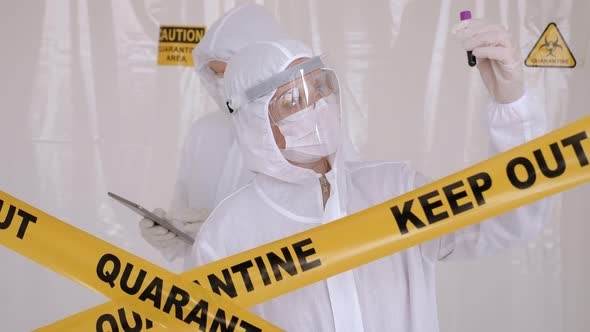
[
  {"x": 168, "y": 299},
  {"x": 176, "y": 44},
  {"x": 551, "y": 50},
  {"x": 545, "y": 166}
]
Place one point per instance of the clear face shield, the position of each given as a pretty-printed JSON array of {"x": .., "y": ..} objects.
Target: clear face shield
[{"x": 304, "y": 111}]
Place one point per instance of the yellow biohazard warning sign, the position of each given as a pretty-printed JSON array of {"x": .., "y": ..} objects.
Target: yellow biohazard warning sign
[
  {"x": 176, "y": 44},
  {"x": 551, "y": 50}
]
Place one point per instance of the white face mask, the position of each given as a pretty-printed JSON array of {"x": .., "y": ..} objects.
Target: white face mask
[
  {"x": 219, "y": 94},
  {"x": 312, "y": 133},
  {"x": 214, "y": 85}
]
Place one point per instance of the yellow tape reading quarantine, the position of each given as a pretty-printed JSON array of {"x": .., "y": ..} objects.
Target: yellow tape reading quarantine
[
  {"x": 129, "y": 280},
  {"x": 545, "y": 166}
]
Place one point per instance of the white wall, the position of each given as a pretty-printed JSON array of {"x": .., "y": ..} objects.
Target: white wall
[{"x": 85, "y": 110}]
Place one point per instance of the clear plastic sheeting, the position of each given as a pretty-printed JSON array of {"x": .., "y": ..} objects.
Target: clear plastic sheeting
[{"x": 85, "y": 109}]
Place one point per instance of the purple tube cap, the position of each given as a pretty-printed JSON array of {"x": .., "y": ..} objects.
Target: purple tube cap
[{"x": 465, "y": 15}]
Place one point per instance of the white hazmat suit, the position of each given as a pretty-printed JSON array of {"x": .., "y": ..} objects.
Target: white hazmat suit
[
  {"x": 211, "y": 166},
  {"x": 201, "y": 183},
  {"x": 394, "y": 293}
]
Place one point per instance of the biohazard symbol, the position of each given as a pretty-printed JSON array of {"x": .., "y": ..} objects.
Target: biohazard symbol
[
  {"x": 551, "y": 50},
  {"x": 550, "y": 46}
]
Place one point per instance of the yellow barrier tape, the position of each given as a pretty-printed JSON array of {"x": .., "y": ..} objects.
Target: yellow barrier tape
[
  {"x": 545, "y": 166},
  {"x": 127, "y": 279}
]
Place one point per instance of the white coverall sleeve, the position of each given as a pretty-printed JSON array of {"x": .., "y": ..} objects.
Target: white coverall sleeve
[
  {"x": 180, "y": 194},
  {"x": 510, "y": 125},
  {"x": 202, "y": 160}
]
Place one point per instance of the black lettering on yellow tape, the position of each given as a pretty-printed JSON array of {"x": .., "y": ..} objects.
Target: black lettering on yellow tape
[
  {"x": 25, "y": 219},
  {"x": 108, "y": 270},
  {"x": 467, "y": 197},
  {"x": 285, "y": 261},
  {"x": 135, "y": 283},
  {"x": 530, "y": 169},
  {"x": 430, "y": 201},
  {"x": 108, "y": 322}
]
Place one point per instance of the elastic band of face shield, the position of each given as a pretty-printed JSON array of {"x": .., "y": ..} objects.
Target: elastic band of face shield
[{"x": 276, "y": 81}]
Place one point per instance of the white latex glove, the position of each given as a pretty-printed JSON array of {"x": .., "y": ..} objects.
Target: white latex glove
[
  {"x": 499, "y": 62},
  {"x": 168, "y": 243}
]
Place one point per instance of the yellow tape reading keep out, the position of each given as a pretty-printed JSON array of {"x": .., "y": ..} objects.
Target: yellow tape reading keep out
[
  {"x": 545, "y": 166},
  {"x": 127, "y": 279}
]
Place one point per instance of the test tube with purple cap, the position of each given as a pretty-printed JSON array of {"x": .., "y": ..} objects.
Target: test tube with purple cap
[{"x": 466, "y": 15}]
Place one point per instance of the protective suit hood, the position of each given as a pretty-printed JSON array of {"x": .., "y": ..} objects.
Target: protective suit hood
[
  {"x": 253, "y": 65},
  {"x": 239, "y": 27}
]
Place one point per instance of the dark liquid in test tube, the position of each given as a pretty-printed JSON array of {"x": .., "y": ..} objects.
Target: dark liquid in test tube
[{"x": 466, "y": 15}]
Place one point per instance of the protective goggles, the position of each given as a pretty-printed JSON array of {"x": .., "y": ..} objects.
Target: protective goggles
[{"x": 297, "y": 88}]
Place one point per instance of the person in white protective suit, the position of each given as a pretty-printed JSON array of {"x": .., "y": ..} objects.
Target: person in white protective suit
[
  {"x": 211, "y": 165},
  {"x": 285, "y": 106}
]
